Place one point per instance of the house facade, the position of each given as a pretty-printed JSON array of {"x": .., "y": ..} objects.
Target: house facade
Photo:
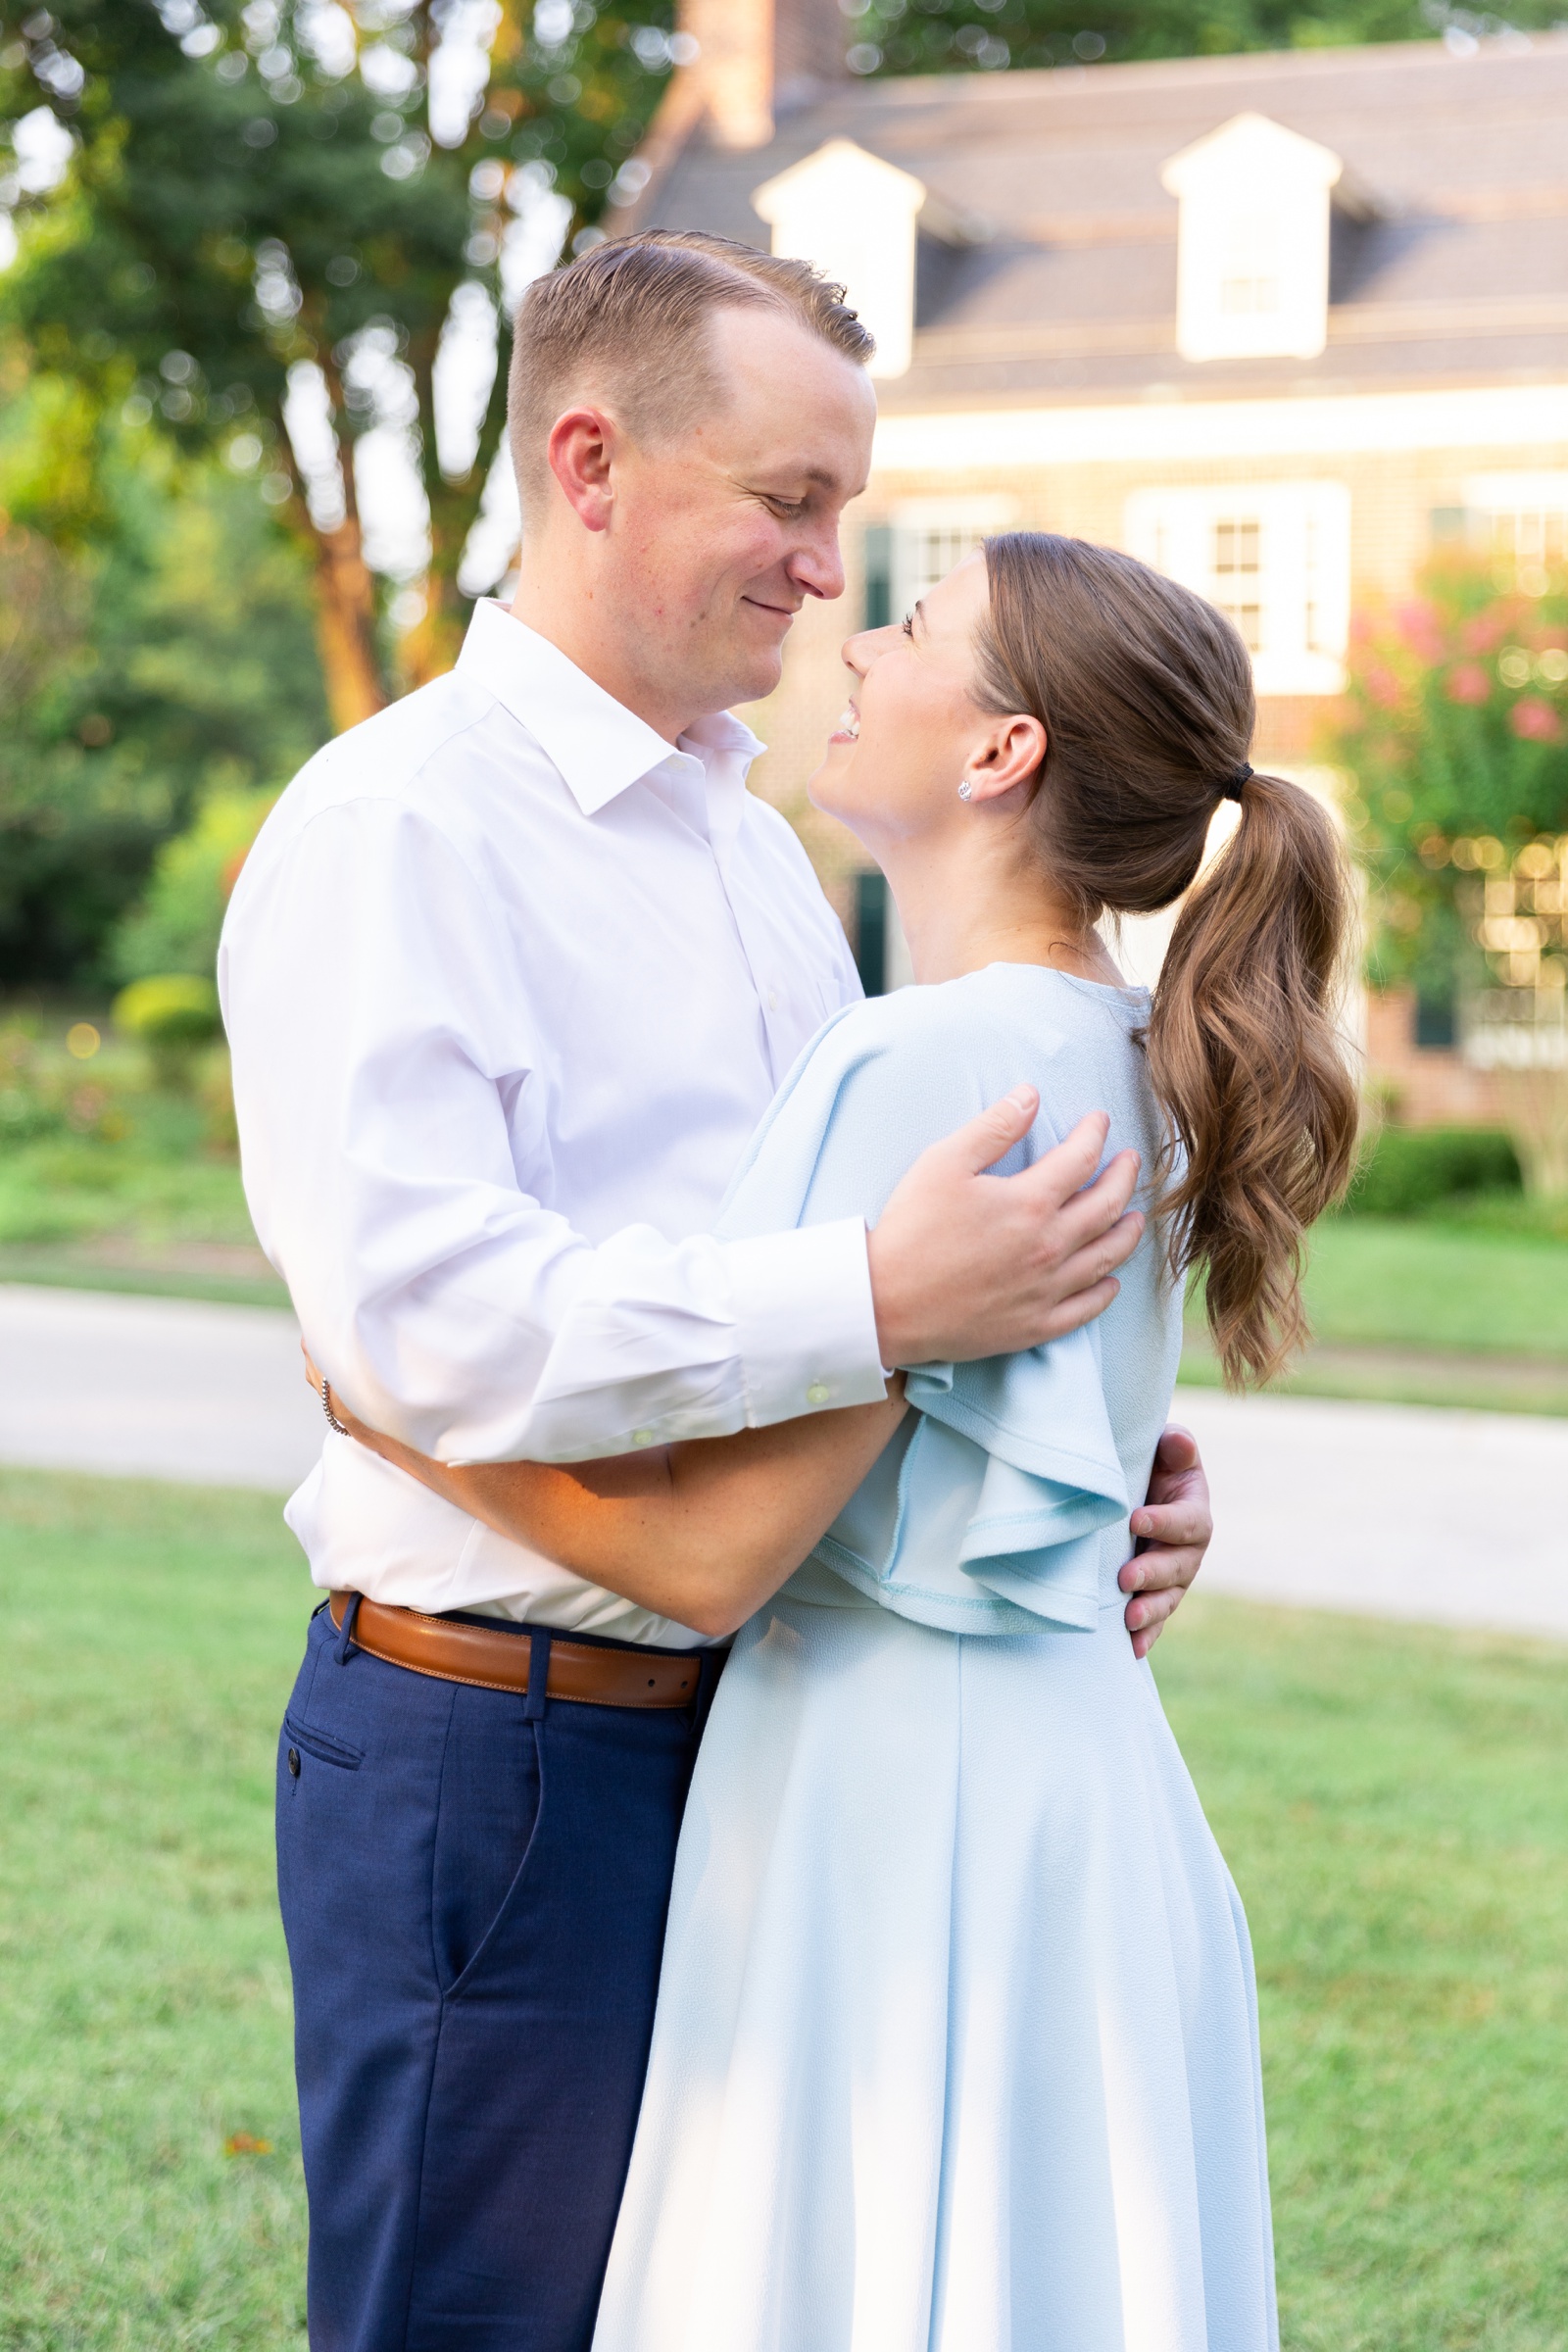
[{"x": 1277, "y": 324}]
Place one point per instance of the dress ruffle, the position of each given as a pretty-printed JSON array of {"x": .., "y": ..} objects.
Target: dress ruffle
[{"x": 1009, "y": 1477}]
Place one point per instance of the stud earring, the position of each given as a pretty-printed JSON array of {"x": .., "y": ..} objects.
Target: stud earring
[{"x": 965, "y": 788}]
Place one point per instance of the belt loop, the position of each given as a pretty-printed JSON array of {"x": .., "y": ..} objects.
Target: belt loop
[
  {"x": 538, "y": 1677},
  {"x": 345, "y": 1640},
  {"x": 710, "y": 1666}
]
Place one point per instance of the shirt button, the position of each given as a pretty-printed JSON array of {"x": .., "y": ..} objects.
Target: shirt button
[
  {"x": 772, "y": 999},
  {"x": 818, "y": 1392},
  {"x": 294, "y": 1763},
  {"x": 642, "y": 1436}
]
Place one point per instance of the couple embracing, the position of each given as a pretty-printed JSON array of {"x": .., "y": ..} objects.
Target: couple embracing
[{"x": 734, "y": 1491}]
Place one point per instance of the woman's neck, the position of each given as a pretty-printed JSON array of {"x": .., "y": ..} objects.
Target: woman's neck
[{"x": 966, "y": 905}]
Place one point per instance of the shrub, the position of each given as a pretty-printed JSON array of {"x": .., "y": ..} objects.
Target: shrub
[
  {"x": 1454, "y": 733},
  {"x": 40, "y": 1096},
  {"x": 1405, "y": 1171},
  {"x": 174, "y": 1014},
  {"x": 175, "y": 926}
]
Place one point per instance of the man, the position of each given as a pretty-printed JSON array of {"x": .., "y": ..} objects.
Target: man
[{"x": 509, "y": 977}]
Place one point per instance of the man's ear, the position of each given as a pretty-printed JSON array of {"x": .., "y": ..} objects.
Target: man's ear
[
  {"x": 1010, "y": 756},
  {"x": 581, "y": 450}
]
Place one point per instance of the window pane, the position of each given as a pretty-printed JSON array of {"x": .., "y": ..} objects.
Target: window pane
[
  {"x": 1237, "y": 547},
  {"x": 1249, "y": 620}
]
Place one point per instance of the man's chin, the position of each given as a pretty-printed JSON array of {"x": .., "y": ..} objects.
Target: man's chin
[{"x": 757, "y": 675}]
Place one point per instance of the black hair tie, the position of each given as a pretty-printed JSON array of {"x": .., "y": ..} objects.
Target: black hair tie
[{"x": 1232, "y": 787}]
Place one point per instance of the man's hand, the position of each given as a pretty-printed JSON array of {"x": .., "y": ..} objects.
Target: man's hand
[
  {"x": 966, "y": 1266},
  {"x": 1174, "y": 1526}
]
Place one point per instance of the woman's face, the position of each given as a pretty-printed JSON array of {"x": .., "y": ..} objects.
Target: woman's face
[{"x": 912, "y": 730}]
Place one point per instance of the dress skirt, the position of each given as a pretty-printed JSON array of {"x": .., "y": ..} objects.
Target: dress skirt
[{"x": 956, "y": 2039}]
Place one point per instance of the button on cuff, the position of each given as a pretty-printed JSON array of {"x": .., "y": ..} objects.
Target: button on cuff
[{"x": 805, "y": 1321}]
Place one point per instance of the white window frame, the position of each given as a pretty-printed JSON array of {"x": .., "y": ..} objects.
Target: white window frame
[
  {"x": 1534, "y": 508},
  {"x": 930, "y": 535},
  {"x": 1302, "y": 578}
]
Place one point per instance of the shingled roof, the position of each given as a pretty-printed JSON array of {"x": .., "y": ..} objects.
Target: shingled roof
[{"x": 1054, "y": 275}]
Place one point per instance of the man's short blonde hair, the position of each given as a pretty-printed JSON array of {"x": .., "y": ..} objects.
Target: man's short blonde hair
[{"x": 632, "y": 314}]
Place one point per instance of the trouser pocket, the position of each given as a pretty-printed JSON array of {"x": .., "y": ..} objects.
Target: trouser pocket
[
  {"x": 300, "y": 1739},
  {"x": 492, "y": 1794}
]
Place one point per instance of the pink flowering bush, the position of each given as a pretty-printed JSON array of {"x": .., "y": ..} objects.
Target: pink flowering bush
[{"x": 1454, "y": 731}]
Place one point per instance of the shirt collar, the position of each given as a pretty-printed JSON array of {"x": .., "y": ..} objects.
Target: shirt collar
[{"x": 599, "y": 746}]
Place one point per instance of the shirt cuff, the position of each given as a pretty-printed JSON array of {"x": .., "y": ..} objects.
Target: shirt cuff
[{"x": 806, "y": 1325}]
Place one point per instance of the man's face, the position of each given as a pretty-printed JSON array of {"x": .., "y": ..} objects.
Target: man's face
[{"x": 719, "y": 536}]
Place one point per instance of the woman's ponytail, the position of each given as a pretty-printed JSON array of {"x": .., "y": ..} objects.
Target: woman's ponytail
[
  {"x": 1245, "y": 1058},
  {"x": 1145, "y": 695}
]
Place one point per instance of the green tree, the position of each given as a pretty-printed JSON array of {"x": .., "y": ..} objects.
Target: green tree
[
  {"x": 944, "y": 37},
  {"x": 1456, "y": 738},
  {"x": 156, "y": 646},
  {"x": 257, "y": 223}
]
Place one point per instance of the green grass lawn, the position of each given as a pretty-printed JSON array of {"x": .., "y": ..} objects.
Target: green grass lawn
[
  {"x": 1430, "y": 1312},
  {"x": 1385, "y": 1282},
  {"x": 158, "y": 1211},
  {"x": 151, "y": 1633},
  {"x": 1391, "y": 1800}
]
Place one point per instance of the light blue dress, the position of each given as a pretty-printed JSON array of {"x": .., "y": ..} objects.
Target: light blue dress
[{"x": 957, "y": 2041}]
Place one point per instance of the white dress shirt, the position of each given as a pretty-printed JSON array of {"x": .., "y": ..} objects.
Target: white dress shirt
[{"x": 509, "y": 982}]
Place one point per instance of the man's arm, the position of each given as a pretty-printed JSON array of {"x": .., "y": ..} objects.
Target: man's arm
[
  {"x": 702, "y": 1534},
  {"x": 378, "y": 1039}
]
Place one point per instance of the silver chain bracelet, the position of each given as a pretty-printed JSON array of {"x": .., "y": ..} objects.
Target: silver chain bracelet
[{"x": 332, "y": 1421}]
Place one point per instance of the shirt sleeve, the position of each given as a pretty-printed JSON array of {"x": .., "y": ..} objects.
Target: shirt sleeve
[{"x": 379, "y": 1068}]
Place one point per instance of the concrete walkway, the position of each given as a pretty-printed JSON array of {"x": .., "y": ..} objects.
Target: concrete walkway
[
  {"x": 1398, "y": 1510},
  {"x": 154, "y": 1387}
]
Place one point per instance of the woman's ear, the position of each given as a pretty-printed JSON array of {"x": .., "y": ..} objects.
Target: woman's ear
[{"x": 1010, "y": 754}]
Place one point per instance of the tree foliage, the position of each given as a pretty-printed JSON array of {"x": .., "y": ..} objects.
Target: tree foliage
[
  {"x": 944, "y": 37},
  {"x": 154, "y": 646},
  {"x": 1456, "y": 741},
  {"x": 256, "y": 192}
]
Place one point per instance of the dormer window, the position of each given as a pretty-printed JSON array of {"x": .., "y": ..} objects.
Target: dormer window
[
  {"x": 1249, "y": 279},
  {"x": 855, "y": 219},
  {"x": 1252, "y": 242}
]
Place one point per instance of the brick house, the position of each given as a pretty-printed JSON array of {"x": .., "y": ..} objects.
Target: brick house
[{"x": 1275, "y": 322}]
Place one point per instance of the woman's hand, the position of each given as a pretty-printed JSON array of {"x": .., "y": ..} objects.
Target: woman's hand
[{"x": 1174, "y": 1527}]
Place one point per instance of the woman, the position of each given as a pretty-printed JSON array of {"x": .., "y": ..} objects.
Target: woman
[{"x": 956, "y": 2038}]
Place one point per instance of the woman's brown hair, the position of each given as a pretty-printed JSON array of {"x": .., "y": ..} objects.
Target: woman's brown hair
[{"x": 1145, "y": 695}]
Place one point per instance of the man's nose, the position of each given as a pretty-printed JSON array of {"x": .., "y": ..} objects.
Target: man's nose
[{"x": 816, "y": 565}]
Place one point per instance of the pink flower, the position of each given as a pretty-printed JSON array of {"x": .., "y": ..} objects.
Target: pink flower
[
  {"x": 1485, "y": 633},
  {"x": 1467, "y": 682},
  {"x": 1382, "y": 686},
  {"x": 1535, "y": 721},
  {"x": 1418, "y": 626}
]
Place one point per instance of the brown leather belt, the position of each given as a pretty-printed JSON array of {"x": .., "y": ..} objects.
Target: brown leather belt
[{"x": 453, "y": 1652}]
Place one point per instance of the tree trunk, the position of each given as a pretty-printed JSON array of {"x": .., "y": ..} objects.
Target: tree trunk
[
  {"x": 345, "y": 626},
  {"x": 345, "y": 592},
  {"x": 432, "y": 648}
]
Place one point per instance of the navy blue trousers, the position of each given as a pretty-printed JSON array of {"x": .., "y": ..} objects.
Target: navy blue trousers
[{"x": 474, "y": 1887}]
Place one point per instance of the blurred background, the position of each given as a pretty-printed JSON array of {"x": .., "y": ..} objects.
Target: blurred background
[{"x": 1274, "y": 296}]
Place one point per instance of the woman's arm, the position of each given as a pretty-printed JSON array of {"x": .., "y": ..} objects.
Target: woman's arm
[{"x": 701, "y": 1533}]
